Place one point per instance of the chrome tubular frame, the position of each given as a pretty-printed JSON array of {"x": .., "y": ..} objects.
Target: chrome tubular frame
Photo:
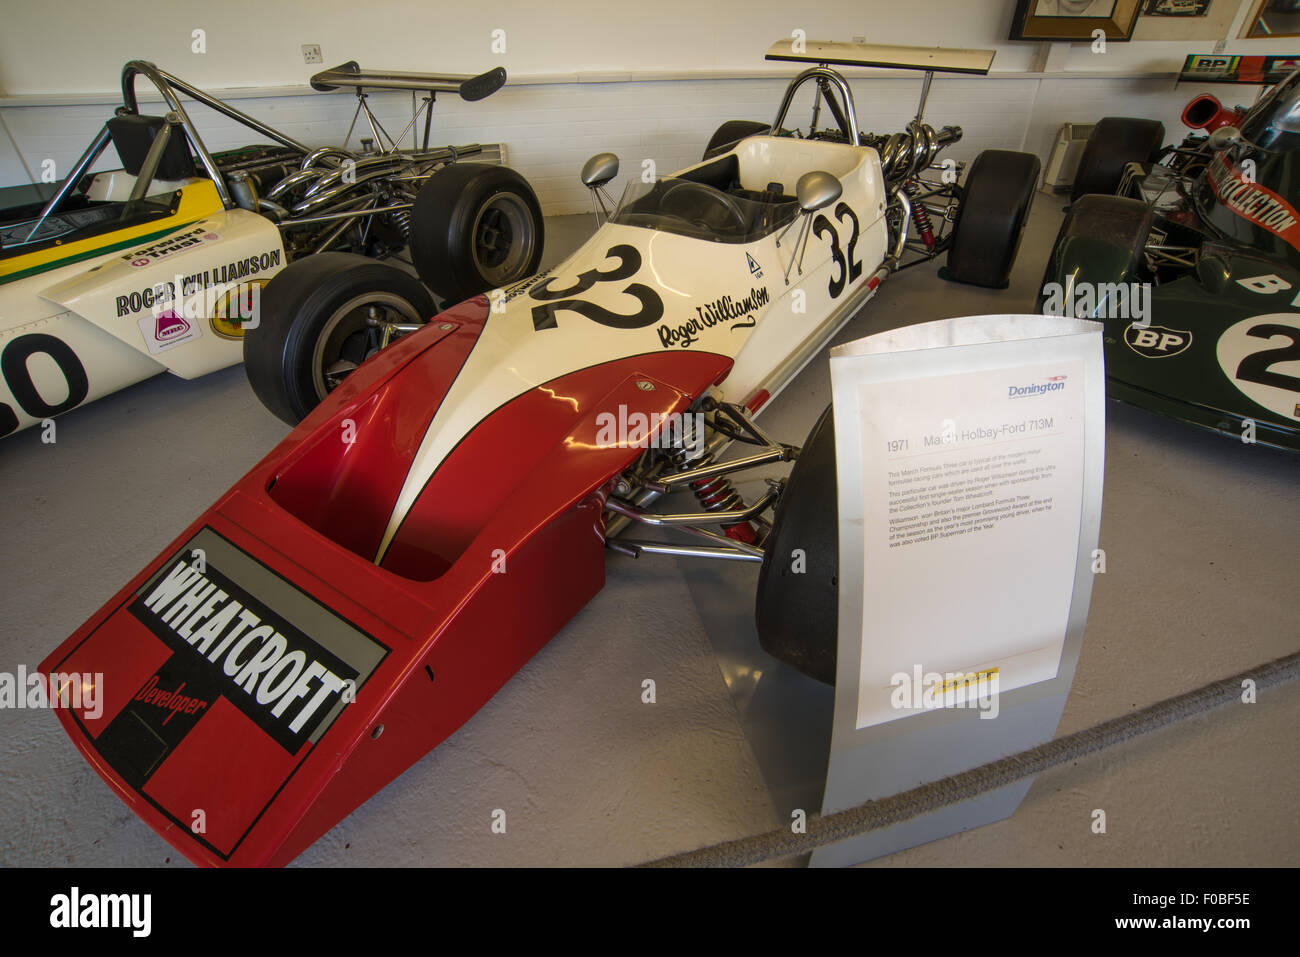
[
  {"x": 87, "y": 160},
  {"x": 826, "y": 78},
  {"x": 651, "y": 478}
]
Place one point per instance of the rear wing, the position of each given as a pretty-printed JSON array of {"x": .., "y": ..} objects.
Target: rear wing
[
  {"x": 469, "y": 88},
  {"x": 1216, "y": 68},
  {"x": 930, "y": 59}
]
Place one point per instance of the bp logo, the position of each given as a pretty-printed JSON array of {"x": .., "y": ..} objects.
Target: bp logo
[{"x": 1156, "y": 342}]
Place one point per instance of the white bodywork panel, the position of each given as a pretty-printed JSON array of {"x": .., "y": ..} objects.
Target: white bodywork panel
[
  {"x": 112, "y": 320},
  {"x": 768, "y": 342}
]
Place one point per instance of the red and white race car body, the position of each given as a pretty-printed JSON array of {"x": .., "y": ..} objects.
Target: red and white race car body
[{"x": 383, "y": 571}]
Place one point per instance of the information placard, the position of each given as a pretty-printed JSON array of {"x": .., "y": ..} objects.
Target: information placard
[
  {"x": 969, "y": 463},
  {"x": 970, "y": 474}
]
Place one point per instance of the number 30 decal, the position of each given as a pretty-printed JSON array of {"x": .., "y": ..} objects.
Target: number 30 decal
[
  {"x": 1261, "y": 356},
  {"x": 13, "y": 366}
]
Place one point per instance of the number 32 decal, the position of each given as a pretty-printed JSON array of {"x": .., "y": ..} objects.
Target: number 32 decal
[
  {"x": 847, "y": 271},
  {"x": 557, "y": 300}
]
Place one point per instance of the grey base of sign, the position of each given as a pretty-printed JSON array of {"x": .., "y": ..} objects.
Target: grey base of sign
[
  {"x": 786, "y": 716},
  {"x": 900, "y": 755},
  {"x": 787, "y": 720}
]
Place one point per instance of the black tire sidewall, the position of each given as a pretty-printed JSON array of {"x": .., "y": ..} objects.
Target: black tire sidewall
[
  {"x": 442, "y": 224},
  {"x": 726, "y": 135},
  {"x": 796, "y": 613},
  {"x": 1115, "y": 142},
  {"x": 296, "y": 305},
  {"x": 995, "y": 201}
]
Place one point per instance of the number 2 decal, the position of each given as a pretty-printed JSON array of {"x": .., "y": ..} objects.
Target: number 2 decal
[
  {"x": 1257, "y": 367},
  {"x": 557, "y": 300},
  {"x": 846, "y": 270},
  {"x": 13, "y": 366},
  {"x": 1262, "y": 368}
]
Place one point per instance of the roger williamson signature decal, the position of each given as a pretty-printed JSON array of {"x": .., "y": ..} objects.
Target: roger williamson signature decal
[{"x": 724, "y": 309}]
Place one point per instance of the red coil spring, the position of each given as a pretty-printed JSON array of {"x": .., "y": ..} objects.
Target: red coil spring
[
  {"x": 920, "y": 215},
  {"x": 717, "y": 494}
]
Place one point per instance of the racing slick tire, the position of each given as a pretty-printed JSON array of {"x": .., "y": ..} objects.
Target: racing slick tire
[
  {"x": 730, "y": 133},
  {"x": 1115, "y": 142},
  {"x": 797, "y": 606},
  {"x": 475, "y": 227},
  {"x": 315, "y": 317},
  {"x": 991, "y": 217}
]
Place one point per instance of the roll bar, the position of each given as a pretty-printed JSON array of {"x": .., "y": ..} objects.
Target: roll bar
[{"x": 847, "y": 118}]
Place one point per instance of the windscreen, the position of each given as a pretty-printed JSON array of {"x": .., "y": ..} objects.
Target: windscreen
[{"x": 689, "y": 208}]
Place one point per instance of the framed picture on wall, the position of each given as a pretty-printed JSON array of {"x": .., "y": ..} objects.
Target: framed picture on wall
[
  {"x": 1074, "y": 19},
  {"x": 1186, "y": 19},
  {"x": 1273, "y": 18}
]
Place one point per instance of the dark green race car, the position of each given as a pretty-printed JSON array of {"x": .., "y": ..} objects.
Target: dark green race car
[{"x": 1193, "y": 264}]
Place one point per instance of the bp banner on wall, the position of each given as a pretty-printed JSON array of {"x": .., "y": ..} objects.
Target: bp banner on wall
[{"x": 970, "y": 456}]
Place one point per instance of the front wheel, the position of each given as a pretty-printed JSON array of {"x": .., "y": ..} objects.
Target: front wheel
[
  {"x": 475, "y": 227},
  {"x": 991, "y": 218},
  {"x": 320, "y": 318}
]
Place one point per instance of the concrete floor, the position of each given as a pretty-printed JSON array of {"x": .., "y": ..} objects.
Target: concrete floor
[{"x": 1202, "y": 537}]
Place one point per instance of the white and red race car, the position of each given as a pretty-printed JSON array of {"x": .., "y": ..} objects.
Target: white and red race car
[{"x": 445, "y": 509}]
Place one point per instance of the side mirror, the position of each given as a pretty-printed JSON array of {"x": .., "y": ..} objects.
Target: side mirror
[
  {"x": 599, "y": 170},
  {"x": 817, "y": 190},
  {"x": 1224, "y": 137},
  {"x": 596, "y": 174}
]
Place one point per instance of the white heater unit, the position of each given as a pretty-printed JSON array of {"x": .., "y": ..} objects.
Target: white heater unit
[{"x": 1064, "y": 161}]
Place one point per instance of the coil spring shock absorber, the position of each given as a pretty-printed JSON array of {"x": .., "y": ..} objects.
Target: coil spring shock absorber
[
  {"x": 714, "y": 493},
  {"x": 402, "y": 220},
  {"x": 920, "y": 215}
]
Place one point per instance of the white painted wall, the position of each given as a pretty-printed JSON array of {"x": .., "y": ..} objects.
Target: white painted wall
[{"x": 644, "y": 80}]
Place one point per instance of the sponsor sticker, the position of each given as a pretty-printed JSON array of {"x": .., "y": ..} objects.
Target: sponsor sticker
[
  {"x": 246, "y": 673},
  {"x": 1253, "y": 202},
  {"x": 167, "y": 330},
  {"x": 1156, "y": 342},
  {"x": 172, "y": 244}
]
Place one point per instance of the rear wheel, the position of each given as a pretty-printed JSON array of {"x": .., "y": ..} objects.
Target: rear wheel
[
  {"x": 991, "y": 217},
  {"x": 797, "y": 606},
  {"x": 732, "y": 132},
  {"x": 475, "y": 227},
  {"x": 320, "y": 318},
  {"x": 1115, "y": 142}
]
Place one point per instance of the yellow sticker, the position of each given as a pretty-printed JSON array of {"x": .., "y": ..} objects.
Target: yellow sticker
[{"x": 966, "y": 680}]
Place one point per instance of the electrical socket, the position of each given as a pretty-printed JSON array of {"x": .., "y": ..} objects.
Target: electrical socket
[{"x": 311, "y": 53}]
